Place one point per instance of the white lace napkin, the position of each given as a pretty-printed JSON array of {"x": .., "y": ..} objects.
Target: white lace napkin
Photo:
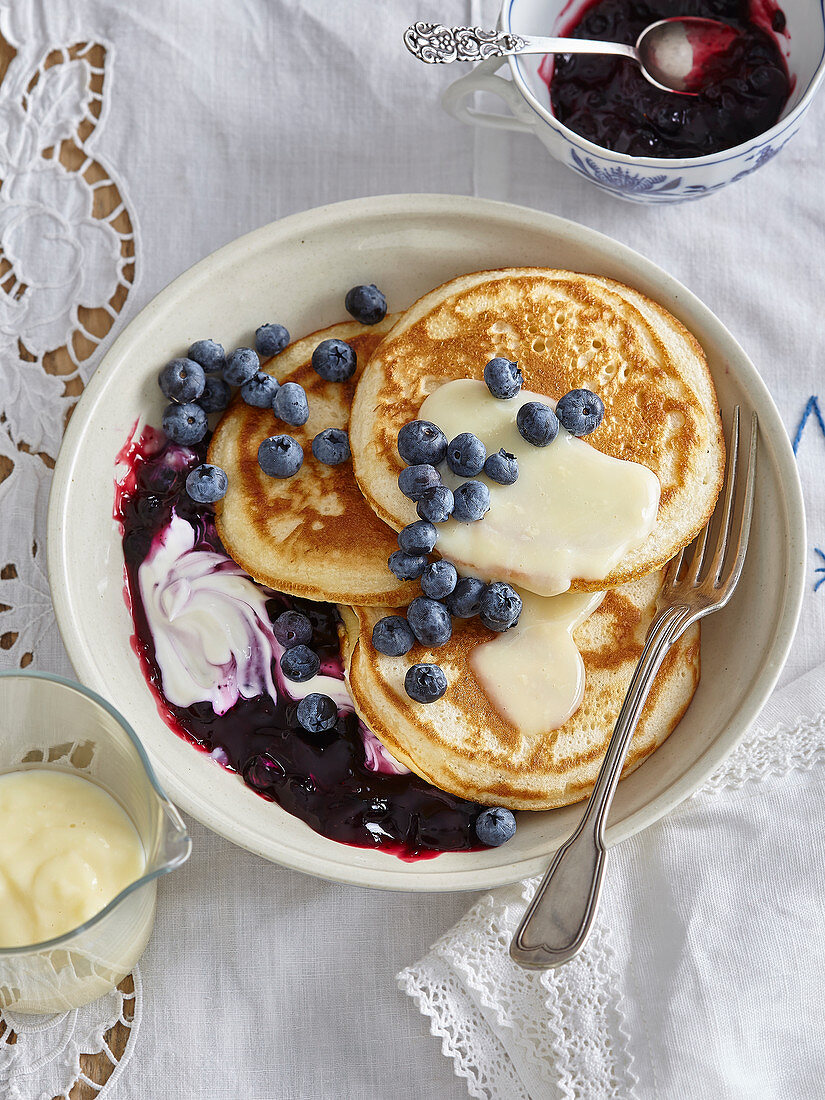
[{"x": 703, "y": 976}]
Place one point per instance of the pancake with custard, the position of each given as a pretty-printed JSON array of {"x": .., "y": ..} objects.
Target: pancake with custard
[
  {"x": 567, "y": 331},
  {"x": 311, "y": 535},
  {"x": 464, "y": 744}
]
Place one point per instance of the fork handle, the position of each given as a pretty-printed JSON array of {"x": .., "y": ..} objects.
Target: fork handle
[{"x": 559, "y": 918}]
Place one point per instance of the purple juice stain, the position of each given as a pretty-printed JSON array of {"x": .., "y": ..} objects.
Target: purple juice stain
[
  {"x": 320, "y": 778},
  {"x": 608, "y": 101}
]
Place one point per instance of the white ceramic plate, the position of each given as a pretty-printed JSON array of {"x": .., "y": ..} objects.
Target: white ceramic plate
[{"x": 297, "y": 270}]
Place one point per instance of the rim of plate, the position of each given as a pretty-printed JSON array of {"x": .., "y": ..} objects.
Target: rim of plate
[{"x": 397, "y": 874}]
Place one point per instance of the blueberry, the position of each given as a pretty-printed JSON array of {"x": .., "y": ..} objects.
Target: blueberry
[
  {"x": 430, "y": 621},
  {"x": 580, "y": 411},
  {"x": 280, "y": 456},
  {"x": 317, "y": 713},
  {"x": 421, "y": 441},
  {"x": 436, "y": 504},
  {"x": 439, "y": 579},
  {"x": 465, "y": 600},
  {"x": 418, "y": 537},
  {"x": 241, "y": 365},
  {"x": 415, "y": 480},
  {"x": 334, "y": 361},
  {"x": 425, "y": 683},
  {"x": 300, "y": 663},
  {"x": 291, "y": 405},
  {"x": 366, "y": 304},
  {"x": 207, "y": 483},
  {"x": 331, "y": 446},
  {"x": 495, "y": 826},
  {"x": 500, "y": 606},
  {"x": 182, "y": 380},
  {"x": 209, "y": 354},
  {"x": 216, "y": 395},
  {"x": 291, "y": 628},
  {"x": 184, "y": 424},
  {"x": 271, "y": 340},
  {"x": 407, "y": 566},
  {"x": 472, "y": 501},
  {"x": 502, "y": 467},
  {"x": 503, "y": 378},
  {"x": 392, "y": 635},
  {"x": 537, "y": 423},
  {"x": 466, "y": 454},
  {"x": 260, "y": 390}
]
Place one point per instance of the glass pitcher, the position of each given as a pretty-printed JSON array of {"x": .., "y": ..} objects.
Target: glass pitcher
[{"x": 48, "y": 721}]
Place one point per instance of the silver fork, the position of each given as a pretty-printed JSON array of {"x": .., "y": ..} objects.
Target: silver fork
[{"x": 559, "y": 918}]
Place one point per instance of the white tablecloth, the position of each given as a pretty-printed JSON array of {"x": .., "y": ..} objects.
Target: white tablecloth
[{"x": 213, "y": 119}]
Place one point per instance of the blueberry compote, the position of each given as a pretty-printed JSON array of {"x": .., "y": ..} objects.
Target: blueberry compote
[
  {"x": 323, "y": 779},
  {"x": 609, "y": 102}
]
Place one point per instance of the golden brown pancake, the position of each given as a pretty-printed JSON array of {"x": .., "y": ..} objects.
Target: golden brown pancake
[
  {"x": 313, "y": 534},
  {"x": 461, "y": 744},
  {"x": 567, "y": 331}
]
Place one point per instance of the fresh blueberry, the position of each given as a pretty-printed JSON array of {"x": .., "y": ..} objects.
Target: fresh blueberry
[
  {"x": 291, "y": 628},
  {"x": 317, "y": 713},
  {"x": 270, "y": 340},
  {"x": 413, "y": 481},
  {"x": 392, "y": 635},
  {"x": 182, "y": 380},
  {"x": 209, "y": 354},
  {"x": 241, "y": 365},
  {"x": 472, "y": 501},
  {"x": 421, "y": 441},
  {"x": 425, "y": 683},
  {"x": 291, "y": 405},
  {"x": 300, "y": 663},
  {"x": 580, "y": 411},
  {"x": 430, "y": 621},
  {"x": 503, "y": 378},
  {"x": 280, "y": 456},
  {"x": 466, "y": 454},
  {"x": 502, "y": 467},
  {"x": 366, "y": 304},
  {"x": 495, "y": 826},
  {"x": 407, "y": 566},
  {"x": 184, "y": 424},
  {"x": 334, "y": 360},
  {"x": 465, "y": 600},
  {"x": 439, "y": 579},
  {"x": 260, "y": 390},
  {"x": 207, "y": 483},
  {"x": 500, "y": 606},
  {"x": 216, "y": 395},
  {"x": 418, "y": 537},
  {"x": 436, "y": 504},
  {"x": 537, "y": 423},
  {"x": 331, "y": 446}
]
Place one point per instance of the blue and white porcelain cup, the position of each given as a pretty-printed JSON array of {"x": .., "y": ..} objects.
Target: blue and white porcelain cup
[{"x": 637, "y": 179}]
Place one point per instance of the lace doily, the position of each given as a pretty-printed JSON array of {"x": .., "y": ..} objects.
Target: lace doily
[
  {"x": 47, "y": 1057},
  {"x": 560, "y": 1033}
]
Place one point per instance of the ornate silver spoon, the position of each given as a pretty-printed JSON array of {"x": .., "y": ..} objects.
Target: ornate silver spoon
[{"x": 675, "y": 55}]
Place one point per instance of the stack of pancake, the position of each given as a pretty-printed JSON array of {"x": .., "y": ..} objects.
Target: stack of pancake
[{"x": 326, "y": 534}]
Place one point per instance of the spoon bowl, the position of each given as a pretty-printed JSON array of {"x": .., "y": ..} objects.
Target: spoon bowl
[{"x": 682, "y": 54}]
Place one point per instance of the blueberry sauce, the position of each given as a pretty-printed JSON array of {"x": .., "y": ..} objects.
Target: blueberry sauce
[
  {"x": 321, "y": 778},
  {"x": 609, "y": 102}
]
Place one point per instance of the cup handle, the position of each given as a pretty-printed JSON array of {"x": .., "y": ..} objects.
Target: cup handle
[{"x": 481, "y": 79}]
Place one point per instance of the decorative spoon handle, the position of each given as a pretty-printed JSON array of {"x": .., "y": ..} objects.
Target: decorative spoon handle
[{"x": 436, "y": 44}]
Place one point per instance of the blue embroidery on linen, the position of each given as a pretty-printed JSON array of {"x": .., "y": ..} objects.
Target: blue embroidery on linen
[
  {"x": 811, "y": 409},
  {"x": 821, "y": 569}
]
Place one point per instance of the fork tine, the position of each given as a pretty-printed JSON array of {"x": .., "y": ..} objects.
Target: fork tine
[
  {"x": 735, "y": 570},
  {"x": 716, "y": 564},
  {"x": 698, "y": 555},
  {"x": 672, "y": 571}
]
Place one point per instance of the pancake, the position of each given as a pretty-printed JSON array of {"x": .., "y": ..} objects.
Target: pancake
[
  {"x": 567, "y": 331},
  {"x": 462, "y": 745},
  {"x": 311, "y": 535}
]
